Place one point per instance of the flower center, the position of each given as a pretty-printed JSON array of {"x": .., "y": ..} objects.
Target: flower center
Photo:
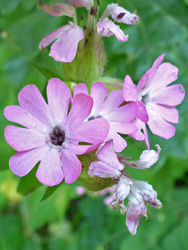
[
  {"x": 145, "y": 99},
  {"x": 57, "y": 136}
]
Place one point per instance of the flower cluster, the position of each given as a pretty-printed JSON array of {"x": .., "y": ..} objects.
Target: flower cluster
[
  {"x": 91, "y": 120},
  {"x": 67, "y": 37}
]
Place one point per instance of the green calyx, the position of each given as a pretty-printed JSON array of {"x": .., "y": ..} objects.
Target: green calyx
[
  {"x": 89, "y": 62},
  {"x": 92, "y": 183}
]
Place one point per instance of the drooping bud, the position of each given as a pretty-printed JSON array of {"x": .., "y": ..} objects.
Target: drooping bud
[{"x": 147, "y": 159}]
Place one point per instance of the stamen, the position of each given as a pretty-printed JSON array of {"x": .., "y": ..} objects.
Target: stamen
[
  {"x": 145, "y": 99},
  {"x": 121, "y": 15},
  {"x": 94, "y": 11},
  {"x": 57, "y": 136}
]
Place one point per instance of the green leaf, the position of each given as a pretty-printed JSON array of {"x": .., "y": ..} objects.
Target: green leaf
[
  {"x": 45, "y": 71},
  {"x": 49, "y": 191},
  {"x": 28, "y": 183}
]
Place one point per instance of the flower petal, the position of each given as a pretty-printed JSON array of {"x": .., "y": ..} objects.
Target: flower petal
[
  {"x": 47, "y": 40},
  {"x": 171, "y": 96},
  {"x": 22, "y": 139},
  {"x": 103, "y": 170},
  {"x": 141, "y": 112},
  {"x": 71, "y": 166},
  {"x": 82, "y": 3},
  {"x": 22, "y": 163},
  {"x": 107, "y": 28},
  {"x": 147, "y": 159},
  {"x": 50, "y": 172},
  {"x": 31, "y": 100},
  {"x": 98, "y": 93},
  {"x": 134, "y": 212},
  {"x": 164, "y": 75},
  {"x": 121, "y": 15},
  {"x": 107, "y": 155},
  {"x": 80, "y": 110},
  {"x": 112, "y": 102},
  {"x": 122, "y": 114},
  {"x": 129, "y": 90},
  {"x": 59, "y": 97},
  {"x": 16, "y": 114},
  {"x": 65, "y": 47},
  {"x": 58, "y": 9},
  {"x": 80, "y": 88},
  {"x": 170, "y": 114},
  {"x": 94, "y": 131},
  {"x": 159, "y": 126}
]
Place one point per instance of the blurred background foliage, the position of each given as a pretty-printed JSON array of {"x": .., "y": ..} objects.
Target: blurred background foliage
[{"x": 66, "y": 220}]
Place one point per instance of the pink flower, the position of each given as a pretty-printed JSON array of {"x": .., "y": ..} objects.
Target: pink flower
[
  {"x": 51, "y": 136},
  {"x": 105, "y": 27},
  {"x": 120, "y": 14},
  {"x": 108, "y": 165},
  {"x": 66, "y": 42},
  {"x": 155, "y": 101},
  {"x": 137, "y": 192},
  {"x": 119, "y": 117}
]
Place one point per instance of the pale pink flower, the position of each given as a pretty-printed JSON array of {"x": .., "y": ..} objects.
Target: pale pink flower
[
  {"x": 137, "y": 192},
  {"x": 105, "y": 27},
  {"x": 155, "y": 101},
  {"x": 65, "y": 44},
  {"x": 119, "y": 117},
  {"x": 51, "y": 136},
  {"x": 120, "y": 14}
]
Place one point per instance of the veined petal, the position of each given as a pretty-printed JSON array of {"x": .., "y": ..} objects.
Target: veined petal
[
  {"x": 80, "y": 88},
  {"x": 50, "y": 172},
  {"x": 58, "y": 9},
  {"x": 22, "y": 139},
  {"x": 22, "y": 163},
  {"x": 18, "y": 115},
  {"x": 47, "y": 40},
  {"x": 98, "y": 93},
  {"x": 129, "y": 90},
  {"x": 159, "y": 126},
  {"x": 65, "y": 47},
  {"x": 119, "y": 143},
  {"x": 81, "y": 108},
  {"x": 171, "y": 95},
  {"x": 112, "y": 102},
  {"x": 107, "y": 155},
  {"x": 31, "y": 101},
  {"x": 123, "y": 114},
  {"x": 103, "y": 170},
  {"x": 168, "y": 113},
  {"x": 134, "y": 212},
  {"x": 59, "y": 97},
  {"x": 94, "y": 131},
  {"x": 71, "y": 166},
  {"x": 107, "y": 28},
  {"x": 165, "y": 74}
]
